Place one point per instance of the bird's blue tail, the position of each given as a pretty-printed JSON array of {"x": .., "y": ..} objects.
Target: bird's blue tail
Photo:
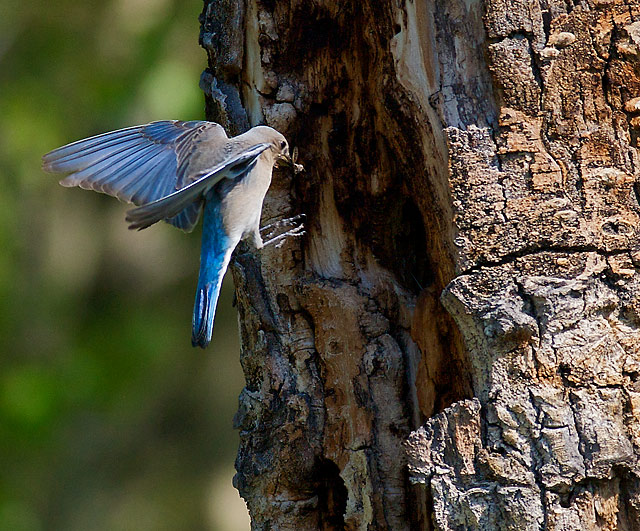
[
  {"x": 214, "y": 259},
  {"x": 204, "y": 312}
]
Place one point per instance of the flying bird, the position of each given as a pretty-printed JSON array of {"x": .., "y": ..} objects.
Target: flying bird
[{"x": 172, "y": 171}]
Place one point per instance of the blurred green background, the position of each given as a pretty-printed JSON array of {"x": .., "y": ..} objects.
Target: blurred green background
[{"x": 109, "y": 419}]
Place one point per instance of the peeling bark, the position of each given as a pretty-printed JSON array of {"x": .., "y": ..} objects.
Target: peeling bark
[{"x": 466, "y": 300}]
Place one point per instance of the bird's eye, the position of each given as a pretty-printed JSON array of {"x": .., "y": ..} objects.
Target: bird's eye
[{"x": 283, "y": 144}]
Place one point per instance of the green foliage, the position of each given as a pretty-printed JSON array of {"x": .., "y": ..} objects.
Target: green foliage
[{"x": 108, "y": 418}]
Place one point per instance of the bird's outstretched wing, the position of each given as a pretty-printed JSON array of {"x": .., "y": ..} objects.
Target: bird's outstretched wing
[
  {"x": 167, "y": 207},
  {"x": 138, "y": 164}
]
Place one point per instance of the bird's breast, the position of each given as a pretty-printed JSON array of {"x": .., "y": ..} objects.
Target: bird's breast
[{"x": 242, "y": 202}]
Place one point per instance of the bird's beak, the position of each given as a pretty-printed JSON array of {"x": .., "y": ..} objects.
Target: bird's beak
[
  {"x": 290, "y": 161},
  {"x": 284, "y": 160}
]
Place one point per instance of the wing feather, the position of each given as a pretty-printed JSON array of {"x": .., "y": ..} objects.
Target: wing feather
[{"x": 139, "y": 164}]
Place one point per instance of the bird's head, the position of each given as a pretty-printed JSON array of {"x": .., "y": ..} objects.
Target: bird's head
[
  {"x": 281, "y": 151},
  {"x": 279, "y": 148}
]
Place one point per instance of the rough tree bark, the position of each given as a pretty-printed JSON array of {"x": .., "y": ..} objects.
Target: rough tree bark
[{"x": 456, "y": 342}]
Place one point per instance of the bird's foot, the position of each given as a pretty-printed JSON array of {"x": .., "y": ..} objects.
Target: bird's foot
[
  {"x": 279, "y": 240},
  {"x": 270, "y": 230},
  {"x": 296, "y": 231}
]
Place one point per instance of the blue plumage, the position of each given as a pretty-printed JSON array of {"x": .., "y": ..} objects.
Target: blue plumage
[{"x": 215, "y": 254}]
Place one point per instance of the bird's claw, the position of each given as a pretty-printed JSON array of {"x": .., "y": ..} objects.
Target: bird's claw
[
  {"x": 272, "y": 228},
  {"x": 279, "y": 240}
]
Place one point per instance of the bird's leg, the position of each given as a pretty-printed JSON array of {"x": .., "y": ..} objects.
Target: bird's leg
[{"x": 298, "y": 230}]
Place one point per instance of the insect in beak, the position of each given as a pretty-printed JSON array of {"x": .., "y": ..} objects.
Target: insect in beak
[
  {"x": 297, "y": 168},
  {"x": 291, "y": 161}
]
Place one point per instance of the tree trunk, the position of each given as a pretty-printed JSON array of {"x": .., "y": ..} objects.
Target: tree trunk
[{"x": 474, "y": 156}]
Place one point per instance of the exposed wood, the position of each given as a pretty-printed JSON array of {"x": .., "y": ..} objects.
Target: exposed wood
[{"x": 482, "y": 154}]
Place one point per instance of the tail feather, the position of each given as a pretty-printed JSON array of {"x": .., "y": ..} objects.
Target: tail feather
[
  {"x": 204, "y": 313},
  {"x": 214, "y": 259}
]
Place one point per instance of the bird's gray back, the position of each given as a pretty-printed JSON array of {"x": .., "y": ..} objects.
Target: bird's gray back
[{"x": 210, "y": 148}]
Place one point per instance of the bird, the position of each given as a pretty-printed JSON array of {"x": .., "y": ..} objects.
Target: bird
[{"x": 173, "y": 171}]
